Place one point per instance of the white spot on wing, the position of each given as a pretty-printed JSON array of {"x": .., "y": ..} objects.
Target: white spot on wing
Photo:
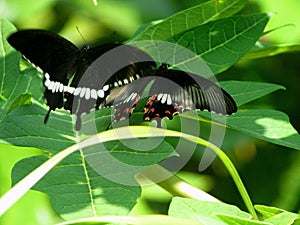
[
  {"x": 105, "y": 88},
  {"x": 82, "y": 93},
  {"x": 94, "y": 94},
  {"x": 55, "y": 87},
  {"x": 164, "y": 98},
  {"x": 47, "y": 76},
  {"x": 101, "y": 93},
  {"x": 71, "y": 90},
  {"x": 77, "y": 91},
  {"x": 87, "y": 94},
  {"x": 133, "y": 95},
  {"x": 61, "y": 87},
  {"x": 159, "y": 96},
  {"x": 47, "y": 83},
  {"x": 169, "y": 100},
  {"x": 50, "y": 86}
]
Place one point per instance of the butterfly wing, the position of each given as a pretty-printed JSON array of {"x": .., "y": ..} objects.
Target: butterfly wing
[
  {"x": 125, "y": 98},
  {"x": 50, "y": 52},
  {"x": 47, "y": 50},
  {"x": 107, "y": 68},
  {"x": 175, "y": 91}
]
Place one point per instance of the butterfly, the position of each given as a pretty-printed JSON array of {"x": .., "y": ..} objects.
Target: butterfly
[
  {"x": 64, "y": 65},
  {"x": 74, "y": 81},
  {"x": 173, "y": 92}
]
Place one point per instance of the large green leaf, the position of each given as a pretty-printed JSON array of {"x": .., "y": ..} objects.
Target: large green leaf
[
  {"x": 247, "y": 91},
  {"x": 133, "y": 220},
  {"x": 12, "y": 82},
  {"x": 202, "y": 211},
  {"x": 266, "y": 124},
  {"x": 85, "y": 183},
  {"x": 221, "y": 213},
  {"x": 209, "y": 48},
  {"x": 189, "y": 19},
  {"x": 223, "y": 42},
  {"x": 77, "y": 189},
  {"x": 234, "y": 220},
  {"x": 262, "y": 50},
  {"x": 276, "y": 216}
]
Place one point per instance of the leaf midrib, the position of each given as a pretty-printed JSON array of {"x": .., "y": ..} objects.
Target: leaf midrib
[{"x": 220, "y": 45}]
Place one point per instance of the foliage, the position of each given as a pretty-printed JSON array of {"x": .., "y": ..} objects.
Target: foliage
[{"x": 76, "y": 189}]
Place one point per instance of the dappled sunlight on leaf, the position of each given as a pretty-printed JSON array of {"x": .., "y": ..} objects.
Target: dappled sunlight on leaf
[{"x": 273, "y": 128}]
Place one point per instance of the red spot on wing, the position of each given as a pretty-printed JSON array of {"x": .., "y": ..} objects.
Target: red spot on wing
[
  {"x": 124, "y": 109},
  {"x": 154, "y": 109}
]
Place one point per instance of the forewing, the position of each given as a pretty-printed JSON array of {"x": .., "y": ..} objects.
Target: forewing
[{"x": 49, "y": 51}]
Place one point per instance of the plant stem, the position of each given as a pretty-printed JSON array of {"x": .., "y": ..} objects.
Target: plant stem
[
  {"x": 118, "y": 134},
  {"x": 175, "y": 185}
]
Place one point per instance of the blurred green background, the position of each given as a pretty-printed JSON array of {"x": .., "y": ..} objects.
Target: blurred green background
[{"x": 270, "y": 172}]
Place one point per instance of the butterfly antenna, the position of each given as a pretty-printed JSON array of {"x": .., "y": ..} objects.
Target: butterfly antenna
[{"x": 81, "y": 35}]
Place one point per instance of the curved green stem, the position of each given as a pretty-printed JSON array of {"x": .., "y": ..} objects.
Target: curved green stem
[
  {"x": 118, "y": 134},
  {"x": 173, "y": 184},
  {"x": 231, "y": 169}
]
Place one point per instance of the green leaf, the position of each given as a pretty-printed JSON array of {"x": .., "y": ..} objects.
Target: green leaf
[
  {"x": 23, "y": 99},
  {"x": 84, "y": 181},
  {"x": 223, "y": 42},
  {"x": 24, "y": 9},
  {"x": 276, "y": 216},
  {"x": 12, "y": 82},
  {"x": 136, "y": 220},
  {"x": 76, "y": 190},
  {"x": 210, "y": 48},
  {"x": 247, "y": 91},
  {"x": 262, "y": 50},
  {"x": 9, "y": 69},
  {"x": 201, "y": 211},
  {"x": 189, "y": 19},
  {"x": 28, "y": 128},
  {"x": 269, "y": 125},
  {"x": 123, "y": 133},
  {"x": 234, "y": 220},
  {"x": 267, "y": 212}
]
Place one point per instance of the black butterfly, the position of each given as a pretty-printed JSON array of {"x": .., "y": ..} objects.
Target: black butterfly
[
  {"x": 64, "y": 65},
  {"x": 173, "y": 92}
]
